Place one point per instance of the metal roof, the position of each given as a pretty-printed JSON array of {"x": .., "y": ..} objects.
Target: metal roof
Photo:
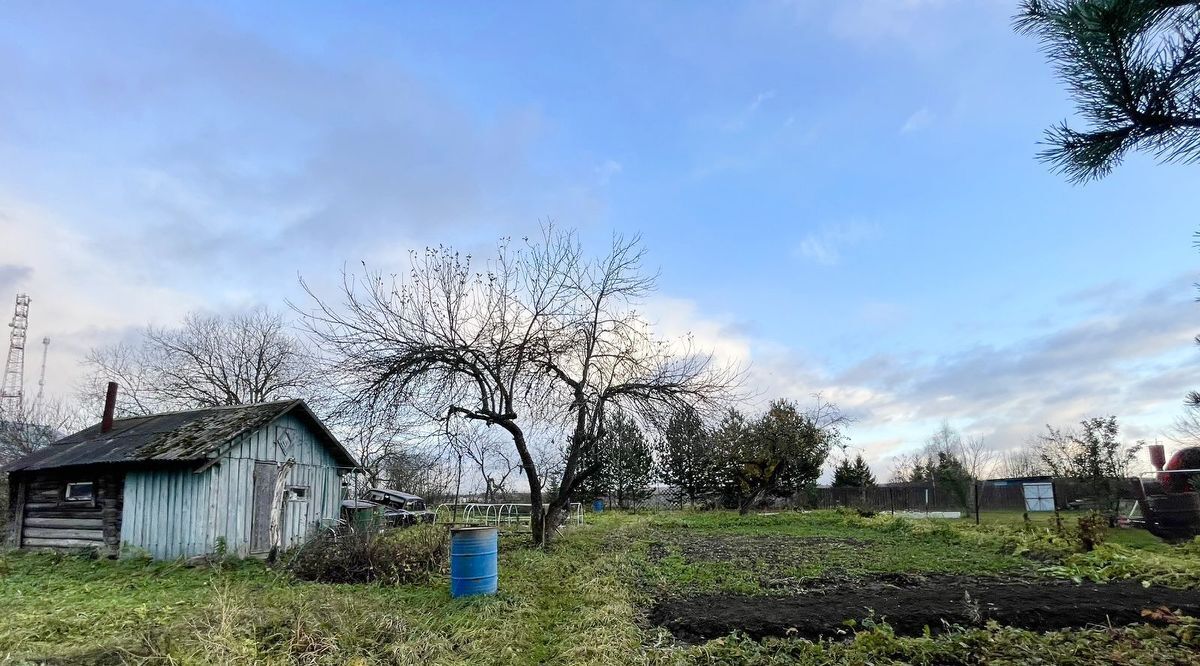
[
  {"x": 188, "y": 436},
  {"x": 396, "y": 494}
]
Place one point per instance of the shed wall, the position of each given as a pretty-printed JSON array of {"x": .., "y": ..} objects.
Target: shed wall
[
  {"x": 182, "y": 513},
  {"x": 44, "y": 518}
]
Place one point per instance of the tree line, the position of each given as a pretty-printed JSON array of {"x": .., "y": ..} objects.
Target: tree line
[{"x": 739, "y": 462}]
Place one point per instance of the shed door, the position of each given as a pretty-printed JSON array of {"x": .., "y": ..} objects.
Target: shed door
[
  {"x": 1039, "y": 496},
  {"x": 264, "y": 491}
]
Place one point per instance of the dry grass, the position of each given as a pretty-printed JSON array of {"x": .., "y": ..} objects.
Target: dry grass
[{"x": 577, "y": 603}]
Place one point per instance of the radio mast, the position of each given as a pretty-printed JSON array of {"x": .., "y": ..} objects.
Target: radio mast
[
  {"x": 42, "y": 376},
  {"x": 12, "y": 385}
]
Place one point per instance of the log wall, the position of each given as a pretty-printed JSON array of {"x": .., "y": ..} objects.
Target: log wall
[{"x": 43, "y": 518}]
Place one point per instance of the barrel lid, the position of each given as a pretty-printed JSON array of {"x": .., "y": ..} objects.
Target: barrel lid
[{"x": 472, "y": 528}]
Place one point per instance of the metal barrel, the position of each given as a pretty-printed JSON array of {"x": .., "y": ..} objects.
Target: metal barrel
[{"x": 473, "y": 567}]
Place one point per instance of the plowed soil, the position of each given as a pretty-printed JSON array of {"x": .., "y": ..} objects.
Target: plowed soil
[{"x": 911, "y": 603}]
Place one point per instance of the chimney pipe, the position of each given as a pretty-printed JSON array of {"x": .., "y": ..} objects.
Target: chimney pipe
[
  {"x": 1158, "y": 456},
  {"x": 110, "y": 406}
]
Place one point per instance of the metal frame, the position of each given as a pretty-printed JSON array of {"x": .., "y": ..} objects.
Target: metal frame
[{"x": 506, "y": 514}]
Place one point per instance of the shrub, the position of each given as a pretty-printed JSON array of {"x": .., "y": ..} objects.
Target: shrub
[
  {"x": 392, "y": 557},
  {"x": 1092, "y": 530}
]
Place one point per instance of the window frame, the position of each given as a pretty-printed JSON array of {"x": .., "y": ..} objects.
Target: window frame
[
  {"x": 66, "y": 493},
  {"x": 291, "y": 496}
]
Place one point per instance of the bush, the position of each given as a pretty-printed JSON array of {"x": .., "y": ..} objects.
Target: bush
[
  {"x": 392, "y": 557},
  {"x": 1092, "y": 530}
]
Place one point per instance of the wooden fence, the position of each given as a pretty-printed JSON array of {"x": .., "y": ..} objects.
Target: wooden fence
[{"x": 992, "y": 496}]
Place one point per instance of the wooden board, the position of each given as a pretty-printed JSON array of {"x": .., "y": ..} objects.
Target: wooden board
[
  {"x": 37, "y": 520},
  {"x": 62, "y": 543},
  {"x": 56, "y": 533}
]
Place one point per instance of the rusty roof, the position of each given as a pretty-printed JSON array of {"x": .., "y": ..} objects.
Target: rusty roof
[{"x": 188, "y": 436}]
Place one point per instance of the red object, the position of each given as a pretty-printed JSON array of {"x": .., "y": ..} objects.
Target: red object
[
  {"x": 1188, "y": 458},
  {"x": 110, "y": 407}
]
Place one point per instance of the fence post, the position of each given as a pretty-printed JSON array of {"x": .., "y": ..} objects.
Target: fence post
[
  {"x": 891, "y": 501},
  {"x": 977, "y": 502}
]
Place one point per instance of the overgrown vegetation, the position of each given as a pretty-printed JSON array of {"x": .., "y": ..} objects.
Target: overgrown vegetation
[
  {"x": 578, "y": 601},
  {"x": 392, "y": 557}
]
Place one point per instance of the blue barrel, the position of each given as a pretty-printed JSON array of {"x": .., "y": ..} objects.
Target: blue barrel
[
  {"x": 473, "y": 567},
  {"x": 598, "y": 505}
]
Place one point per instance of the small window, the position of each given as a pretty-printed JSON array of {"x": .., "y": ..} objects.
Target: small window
[
  {"x": 297, "y": 493},
  {"x": 78, "y": 492}
]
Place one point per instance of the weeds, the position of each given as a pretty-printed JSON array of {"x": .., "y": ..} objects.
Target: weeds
[
  {"x": 393, "y": 557},
  {"x": 573, "y": 603}
]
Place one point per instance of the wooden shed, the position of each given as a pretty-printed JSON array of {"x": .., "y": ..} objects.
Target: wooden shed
[{"x": 181, "y": 484}]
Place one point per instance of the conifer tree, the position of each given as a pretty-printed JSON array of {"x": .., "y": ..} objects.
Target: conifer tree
[{"x": 1133, "y": 68}]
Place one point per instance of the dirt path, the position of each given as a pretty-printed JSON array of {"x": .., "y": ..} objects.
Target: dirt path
[{"x": 912, "y": 605}]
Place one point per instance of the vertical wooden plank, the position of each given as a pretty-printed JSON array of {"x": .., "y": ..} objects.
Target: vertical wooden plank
[
  {"x": 18, "y": 509},
  {"x": 131, "y": 530},
  {"x": 129, "y": 513},
  {"x": 218, "y": 501},
  {"x": 187, "y": 527}
]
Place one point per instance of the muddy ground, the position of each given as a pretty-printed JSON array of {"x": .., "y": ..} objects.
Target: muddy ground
[{"x": 910, "y": 603}]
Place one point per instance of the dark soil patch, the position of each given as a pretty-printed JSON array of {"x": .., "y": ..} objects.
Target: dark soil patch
[{"x": 909, "y": 604}]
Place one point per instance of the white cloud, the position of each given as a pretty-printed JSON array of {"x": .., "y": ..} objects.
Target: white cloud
[
  {"x": 84, "y": 291},
  {"x": 1135, "y": 360},
  {"x": 826, "y": 246},
  {"x": 761, "y": 99},
  {"x": 607, "y": 170},
  {"x": 919, "y": 120}
]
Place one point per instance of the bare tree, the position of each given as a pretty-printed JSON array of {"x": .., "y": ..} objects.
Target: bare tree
[
  {"x": 1024, "y": 461},
  {"x": 29, "y": 426},
  {"x": 491, "y": 463},
  {"x": 542, "y": 333},
  {"x": 210, "y": 360},
  {"x": 977, "y": 457},
  {"x": 1186, "y": 429}
]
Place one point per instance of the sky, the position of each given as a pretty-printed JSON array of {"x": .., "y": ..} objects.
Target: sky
[{"x": 842, "y": 196}]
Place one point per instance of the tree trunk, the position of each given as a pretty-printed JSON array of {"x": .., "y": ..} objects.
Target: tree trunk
[
  {"x": 748, "y": 502},
  {"x": 537, "y": 515}
]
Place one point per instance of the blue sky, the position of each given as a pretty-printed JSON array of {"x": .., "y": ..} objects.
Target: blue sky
[{"x": 843, "y": 194}]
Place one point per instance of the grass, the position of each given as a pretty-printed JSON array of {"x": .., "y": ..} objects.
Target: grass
[
  {"x": 577, "y": 603},
  {"x": 777, "y": 553}
]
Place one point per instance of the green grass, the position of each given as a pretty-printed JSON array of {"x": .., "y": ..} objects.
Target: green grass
[
  {"x": 578, "y": 602},
  {"x": 811, "y": 549}
]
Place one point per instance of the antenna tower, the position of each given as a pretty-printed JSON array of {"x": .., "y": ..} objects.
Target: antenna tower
[
  {"x": 42, "y": 376},
  {"x": 12, "y": 385}
]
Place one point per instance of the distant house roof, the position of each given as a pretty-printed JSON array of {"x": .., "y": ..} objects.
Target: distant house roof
[{"x": 188, "y": 436}]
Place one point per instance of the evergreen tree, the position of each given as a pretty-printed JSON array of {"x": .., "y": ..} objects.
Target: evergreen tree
[
  {"x": 597, "y": 485},
  {"x": 1133, "y": 67},
  {"x": 685, "y": 457},
  {"x": 623, "y": 461},
  {"x": 855, "y": 474},
  {"x": 630, "y": 463}
]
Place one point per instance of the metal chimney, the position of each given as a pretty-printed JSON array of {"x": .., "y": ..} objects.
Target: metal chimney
[{"x": 110, "y": 407}]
